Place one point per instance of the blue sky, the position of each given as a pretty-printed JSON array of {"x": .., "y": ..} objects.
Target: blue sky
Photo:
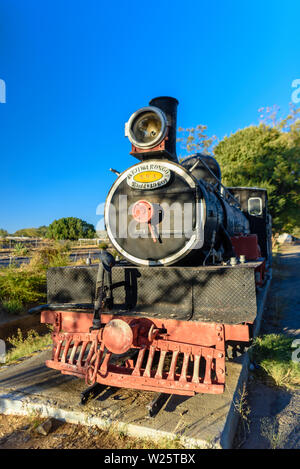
[{"x": 75, "y": 71}]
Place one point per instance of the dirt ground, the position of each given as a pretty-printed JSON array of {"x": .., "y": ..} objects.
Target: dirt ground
[
  {"x": 21, "y": 433},
  {"x": 274, "y": 419}
]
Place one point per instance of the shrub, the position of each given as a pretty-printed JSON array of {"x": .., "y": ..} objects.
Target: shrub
[
  {"x": 3, "y": 233},
  {"x": 23, "y": 287},
  {"x": 20, "y": 250},
  {"x": 103, "y": 245},
  {"x": 49, "y": 256},
  {"x": 32, "y": 232},
  {"x": 12, "y": 306},
  {"x": 70, "y": 228},
  {"x": 20, "y": 289}
]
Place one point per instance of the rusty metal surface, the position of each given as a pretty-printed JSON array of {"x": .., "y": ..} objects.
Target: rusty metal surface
[
  {"x": 75, "y": 321},
  {"x": 117, "y": 336},
  {"x": 174, "y": 357}
]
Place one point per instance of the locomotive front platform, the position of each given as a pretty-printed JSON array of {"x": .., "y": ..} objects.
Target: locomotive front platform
[{"x": 178, "y": 321}]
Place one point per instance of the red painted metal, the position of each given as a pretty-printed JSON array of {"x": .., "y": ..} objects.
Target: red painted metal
[
  {"x": 172, "y": 356},
  {"x": 160, "y": 147},
  {"x": 117, "y": 336},
  {"x": 247, "y": 246},
  {"x": 142, "y": 211},
  {"x": 260, "y": 273}
]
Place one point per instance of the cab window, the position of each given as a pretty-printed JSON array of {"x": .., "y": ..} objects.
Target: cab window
[{"x": 255, "y": 206}]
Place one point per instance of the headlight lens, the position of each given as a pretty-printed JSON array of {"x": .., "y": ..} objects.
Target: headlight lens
[{"x": 147, "y": 127}]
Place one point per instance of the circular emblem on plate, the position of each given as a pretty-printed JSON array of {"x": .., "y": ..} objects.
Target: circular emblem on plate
[{"x": 148, "y": 176}]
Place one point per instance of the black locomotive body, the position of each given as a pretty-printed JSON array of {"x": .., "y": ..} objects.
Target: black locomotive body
[{"x": 193, "y": 254}]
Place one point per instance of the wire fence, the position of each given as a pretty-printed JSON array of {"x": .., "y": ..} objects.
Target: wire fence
[
  {"x": 11, "y": 241},
  {"x": 86, "y": 258}
]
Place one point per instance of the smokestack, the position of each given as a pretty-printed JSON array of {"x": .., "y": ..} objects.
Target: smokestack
[{"x": 169, "y": 106}]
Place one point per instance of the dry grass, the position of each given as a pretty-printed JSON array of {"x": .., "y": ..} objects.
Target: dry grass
[
  {"x": 242, "y": 408},
  {"x": 19, "y": 432},
  {"x": 26, "y": 346},
  {"x": 25, "y": 286},
  {"x": 269, "y": 430},
  {"x": 49, "y": 256},
  {"x": 21, "y": 288}
]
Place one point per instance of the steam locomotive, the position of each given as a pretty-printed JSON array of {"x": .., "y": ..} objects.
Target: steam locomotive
[{"x": 193, "y": 254}]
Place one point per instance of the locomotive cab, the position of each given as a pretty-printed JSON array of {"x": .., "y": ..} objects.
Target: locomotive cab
[{"x": 254, "y": 204}]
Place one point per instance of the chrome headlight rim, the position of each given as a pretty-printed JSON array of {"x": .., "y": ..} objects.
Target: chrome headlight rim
[{"x": 161, "y": 135}]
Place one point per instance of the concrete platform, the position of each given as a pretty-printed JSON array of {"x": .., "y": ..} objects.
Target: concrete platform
[{"x": 201, "y": 421}]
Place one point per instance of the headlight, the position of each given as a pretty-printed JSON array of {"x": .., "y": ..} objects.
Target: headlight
[{"x": 147, "y": 127}]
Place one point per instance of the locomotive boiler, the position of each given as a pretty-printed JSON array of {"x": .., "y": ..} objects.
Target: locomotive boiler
[
  {"x": 193, "y": 254},
  {"x": 160, "y": 212}
]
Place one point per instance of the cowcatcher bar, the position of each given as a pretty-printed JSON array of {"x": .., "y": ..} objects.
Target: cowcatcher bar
[{"x": 171, "y": 356}]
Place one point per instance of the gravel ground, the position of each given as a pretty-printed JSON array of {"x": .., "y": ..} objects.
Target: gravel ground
[{"x": 275, "y": 413}]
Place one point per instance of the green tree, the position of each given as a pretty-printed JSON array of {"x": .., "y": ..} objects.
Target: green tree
[
  {"x": 3, "y": 233},
  {"x": 42, "y": 231},
  {"x": 195, "y": 140},
  {"x": 267, "y": 155},
  {"x": 70, "y": 228},
  {"x": 29, "y": 232}
]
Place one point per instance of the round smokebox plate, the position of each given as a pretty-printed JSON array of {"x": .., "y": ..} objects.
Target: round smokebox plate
[{"x": 117, "y": 336}]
